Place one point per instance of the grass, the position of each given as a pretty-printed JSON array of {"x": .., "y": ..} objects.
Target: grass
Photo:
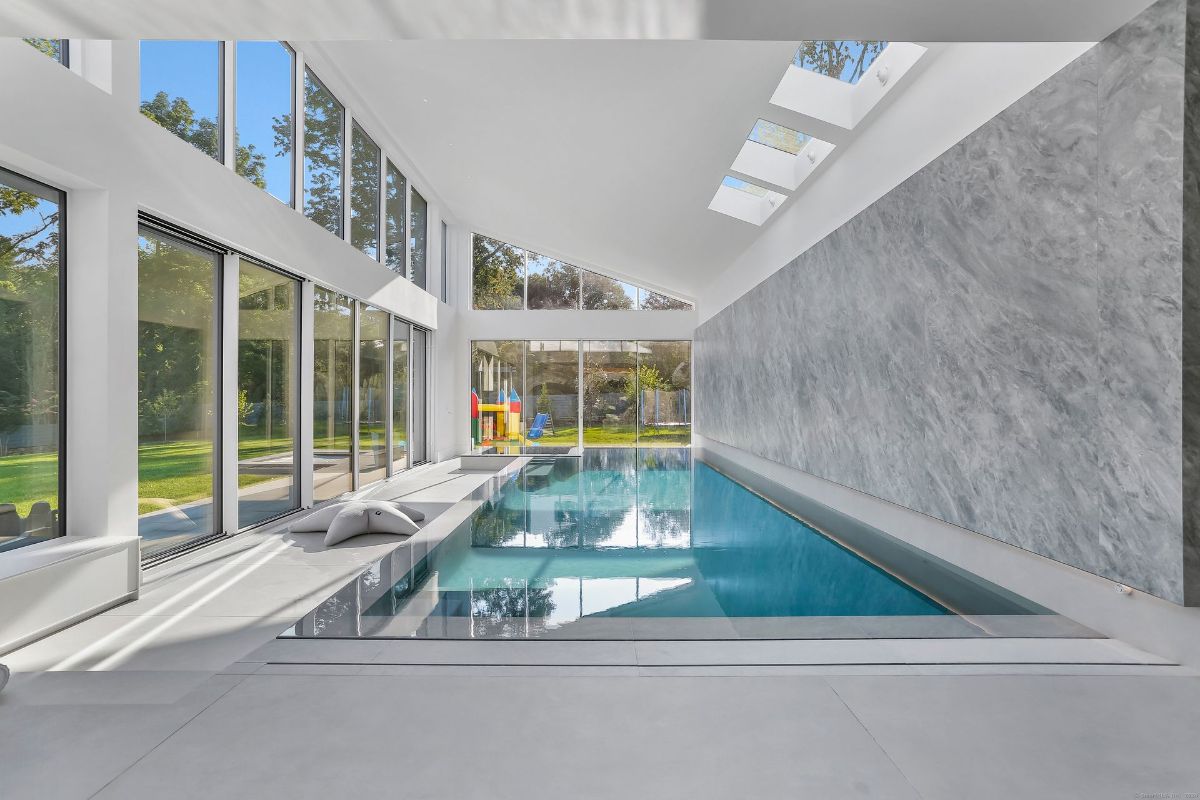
[{"x": 617, "y": 436}]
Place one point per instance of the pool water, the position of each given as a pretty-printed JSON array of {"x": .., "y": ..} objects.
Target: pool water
[{"x": 652, "y": 543}]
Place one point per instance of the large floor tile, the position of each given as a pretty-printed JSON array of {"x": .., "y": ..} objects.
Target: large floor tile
[
  {"x": 589, "y": 737},
  {"x": 1006, "y": 737}
]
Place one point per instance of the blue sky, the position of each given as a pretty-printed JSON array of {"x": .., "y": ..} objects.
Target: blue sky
[
  {"x": 31, "y": 219},
  {"x": 264, "y": 91}
]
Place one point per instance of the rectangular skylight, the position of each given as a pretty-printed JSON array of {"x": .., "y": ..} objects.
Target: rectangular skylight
[
  {"x": 746, "y": 201},
  {"x": 781, "y": 138},
  {"x": 844, "y": 59}
]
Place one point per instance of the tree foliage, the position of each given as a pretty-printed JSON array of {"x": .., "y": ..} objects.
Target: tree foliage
[
  {"x": 554, "y": 285},
  {"x": 498, "y": 274},
  {"x": 178, "y": 116},
  {"x": 842, "y": 59}
]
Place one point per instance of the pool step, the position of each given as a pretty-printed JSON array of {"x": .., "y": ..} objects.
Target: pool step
[{"x": 811, "y": 652}]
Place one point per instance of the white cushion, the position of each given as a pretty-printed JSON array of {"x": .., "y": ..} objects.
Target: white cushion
[
  {"x": 379, "y": 516},
  {"x": 319, "y": 520}
]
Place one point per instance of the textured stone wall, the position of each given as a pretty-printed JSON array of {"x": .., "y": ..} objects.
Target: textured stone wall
[{"x": 997, "y": 342}]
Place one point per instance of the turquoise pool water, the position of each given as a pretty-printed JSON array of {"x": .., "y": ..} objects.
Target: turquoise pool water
[{"x": 648, "y": 543}]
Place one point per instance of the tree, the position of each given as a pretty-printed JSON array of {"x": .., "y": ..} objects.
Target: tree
[
  {"x": 842, "y": 59},
  {"x": 163, "y": 408},
  {"x": 654, "y": 301},
  {"x": 554, "y": 285},
  {"x": 323, "y": 150},
  {"x": 178, "y": 116},
  {"x": 498, "y": 273},
  {"x": 603, "y": 292}
]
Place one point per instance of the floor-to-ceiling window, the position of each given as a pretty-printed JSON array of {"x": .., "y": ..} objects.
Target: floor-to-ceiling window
[
  {"x": 333, "y": 392},
  {"x": 264, "y": 118},
  {"x": 324, "y": 148},
  {"x": 364, "y": 192},
  {"x": 497, "y": 387},
  {"x": 609, "y": 392},
  {"x": 267, "y": 391},
  {"x": 181, "y": 90},
  {"x": 31, "y": 461},
  {"x": 552, "y": 386},
  {"x": 401, "y": 332},
  {"x": 372, "y": 393},
  {"x": 178, "y": 381},
  {"x": 664, "y": 393},
  {"x": 418, "y": 427},
  {"x": 418, "y": 237}
]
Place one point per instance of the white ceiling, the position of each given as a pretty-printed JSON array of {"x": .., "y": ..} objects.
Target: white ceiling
[{"x": 603, "y": 153}]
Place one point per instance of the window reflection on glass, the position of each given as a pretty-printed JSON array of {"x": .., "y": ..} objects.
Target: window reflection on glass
[
  {"x": 30, "y": 270},
  {"x": 364, "y": 192},
  {"x": 181, "y": 91},
  {"x": 397, "y": 192},
  {"x": 264, "y": 128},
  {"x": 177, "y": 381},
  {"x": 418, "y": 236},
  {"x": 497, "y": 275},
  {"x": 400, "y": 336},
  {"x": 610, "y": 393},
  {"x": 552, "y": 284},
  {"x": 266, "y": 399},
  {"x": 602, "y": 293},
  {"x": 845, "y": 60},
  {"x": 333, "y": 386},
  {"x": 372, "y": 394},
  {"x": 324, "y": 121}
]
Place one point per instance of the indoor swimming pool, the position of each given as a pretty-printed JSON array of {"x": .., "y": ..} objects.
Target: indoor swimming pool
[{"x": 656, "y": 544}]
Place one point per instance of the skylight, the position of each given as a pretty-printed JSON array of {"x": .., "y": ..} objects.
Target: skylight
[
  {"x": 780, "y": 155},
  {"x": 746, "y": 201},
  {"x": 781, "y": 138},
  {"x": 846, "y": 60}
]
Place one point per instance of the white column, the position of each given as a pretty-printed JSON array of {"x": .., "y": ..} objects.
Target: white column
[
  {"x": 102, "y": 366},
  {"x": 228, "y": 104},
  {"x": 229, "y": 394}
]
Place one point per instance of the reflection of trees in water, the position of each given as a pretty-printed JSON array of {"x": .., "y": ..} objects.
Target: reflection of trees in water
[{"x": 501, "y": 611}]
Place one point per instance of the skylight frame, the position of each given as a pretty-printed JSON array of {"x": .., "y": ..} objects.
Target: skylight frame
[
  {"x": 865, "y": 46},
  {"x": 780, "y": 166},
  {"x": 745, "y": 200}
]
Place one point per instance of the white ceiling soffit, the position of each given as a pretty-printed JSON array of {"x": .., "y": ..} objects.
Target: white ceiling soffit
[{"x": 909, "y": 20}]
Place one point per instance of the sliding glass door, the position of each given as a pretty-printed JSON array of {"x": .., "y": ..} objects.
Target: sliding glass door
[
  {"x": 333, "y": 392},
  {"x": 178, "y": 382},
  {"x": 400, "y": 335},
  {"x": 372, "y": 394},
  {"x": 267, "y": 391},
  {"x": 418, "y": 449}
]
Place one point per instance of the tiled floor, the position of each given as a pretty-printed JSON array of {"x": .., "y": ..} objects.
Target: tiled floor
[{"x": 186, "y": 693}]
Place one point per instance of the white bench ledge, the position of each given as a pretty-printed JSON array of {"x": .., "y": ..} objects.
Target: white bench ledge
[{"x": 47, "y": 586}]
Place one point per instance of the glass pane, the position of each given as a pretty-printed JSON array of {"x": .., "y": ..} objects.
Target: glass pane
[
  {"x": 397, "y": 188},
  {"x": 372, "y": 394},
  {"x": 653, "y": 301},
  {"x": 419, "y": 427},
  {"x": 177, "y": 381},
  {"x": 845, "y": 60},
  {"x": 400, "y": 334},
  {"x": 324, "y": 122},
  {"x": 55, "y": 48},
  {"x": 267, "y": 374},
  {"x": 364, "y": 193},
  {"x": 609, "y": 390},
  {"x": 30, "y": 267},
  {"x": 333, "y": 385},
  {"x": 552, "y": 284},
  {"x": 602, "y": 293},
  {"x": 417, "y": 237},
  {"x": 664, "y": 393},
  {"x": 498, "y": 274},
  {"x": 264, "y": 127},
  {"x": 497, "y": 384},
  {"x": 778, "y": 137},
  {"x": 181, "y": 90},
  {"x": 552, "y": 380}
]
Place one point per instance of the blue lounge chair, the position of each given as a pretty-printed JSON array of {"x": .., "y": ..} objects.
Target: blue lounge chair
[{"x": 538, "y": 426}]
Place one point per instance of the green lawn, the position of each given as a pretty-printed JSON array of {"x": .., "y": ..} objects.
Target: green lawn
[
  {"x": 27, "y": 478},
  {"x": 618, "y": 436}
]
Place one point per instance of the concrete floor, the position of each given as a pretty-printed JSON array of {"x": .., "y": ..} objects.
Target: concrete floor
[{"x": 186, "y": 693}]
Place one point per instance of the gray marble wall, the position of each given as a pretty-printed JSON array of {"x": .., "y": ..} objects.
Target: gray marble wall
[{"x": 997, "y": 342}]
